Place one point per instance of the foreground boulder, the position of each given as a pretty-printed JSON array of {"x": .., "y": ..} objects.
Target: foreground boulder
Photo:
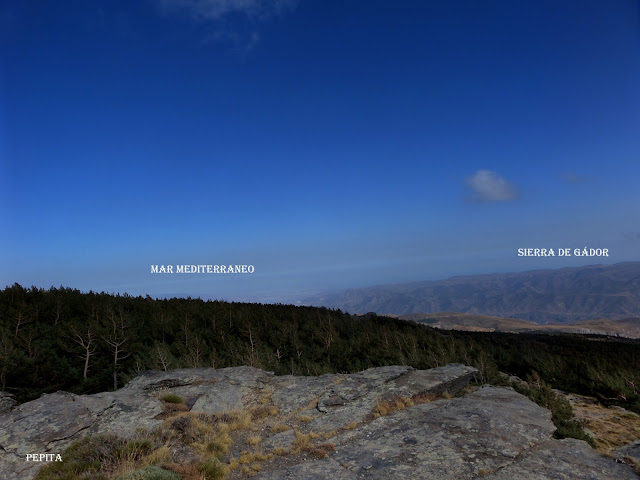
[{"x": 382, "y": 423}]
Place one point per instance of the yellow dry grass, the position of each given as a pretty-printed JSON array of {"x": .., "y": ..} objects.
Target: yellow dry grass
[
  {"x": 351, "y": 426},
  {"x": 610, "y": 427},
  {"x": 394, "y": 404},
  {"x": 281, "y": 427}
]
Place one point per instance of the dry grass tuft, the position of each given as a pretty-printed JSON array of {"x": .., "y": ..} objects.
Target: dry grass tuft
[
  {"x": 394, "y": 404},
  {"x": 319, "y": 451},
  {"x": 280, "y": 451},
  {"x": 158, "y": 456},
  {"x": 264, "y": 411},
  {"x": 634, "y": 463},
  {"x": 420, "y": 398},
  {"x": 302, "y": 441},
  {"x": 265, "y": 397},
  {"x": 186, "y": 427},
  {"x": 186, "y": 471},
  {"x": 351, "y": 426},
  {"x": 280, "y": 428},
  {"x": 236, "y": 419},
  {"x": 218, "y": 444},
  {"x": 329, "y": 434},
  {"x": 170, "y": 409}
]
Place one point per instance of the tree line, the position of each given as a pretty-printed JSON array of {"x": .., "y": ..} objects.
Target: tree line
[{"x": 64, "y": 339}]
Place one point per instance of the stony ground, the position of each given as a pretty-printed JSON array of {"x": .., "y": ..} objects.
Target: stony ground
[{"x": 389, "y": 422}]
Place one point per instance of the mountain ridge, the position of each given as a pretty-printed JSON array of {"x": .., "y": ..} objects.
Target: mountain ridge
[{"x": 545, "y": 296}]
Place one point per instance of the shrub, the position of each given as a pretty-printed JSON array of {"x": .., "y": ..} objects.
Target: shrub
[
  {"x": 151, "y": 473},
  {"x": 212, "y": 469},
  {"x": 561, "y": 412},
  {"x": 83, "y": 459},
  {"x": 219, "y": 444},
  {"x": 171, "y": 398},
  {"x": 132, "y": 450}
]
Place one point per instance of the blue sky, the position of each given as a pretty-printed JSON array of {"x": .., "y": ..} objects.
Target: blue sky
[{"x": 331, "y": 144}]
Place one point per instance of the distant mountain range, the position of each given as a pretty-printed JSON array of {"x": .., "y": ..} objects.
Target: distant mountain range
[{"x": 542, "y": 296}]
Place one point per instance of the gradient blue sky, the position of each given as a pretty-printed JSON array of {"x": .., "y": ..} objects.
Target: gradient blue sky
[{"x": 330, "y": 144}]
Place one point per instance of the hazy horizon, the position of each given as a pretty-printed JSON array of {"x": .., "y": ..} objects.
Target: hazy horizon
[{"x": 300, "y": 296}]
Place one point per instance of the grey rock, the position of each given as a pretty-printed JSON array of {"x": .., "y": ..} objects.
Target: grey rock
[
  {"x": 280, "y": 440},
  {"x": 492, "y": 432},
  {"x": 46, "y": 425},
  {"x": 631, "y": 450},
  {"x": 221, "y": 397},
  {"x": 319, "y": 470},
  {"x": 355, "y": 398},
  {"x": 7, "y": 402},
  {"x": 52, "y": 422},
  {"x": 296, "y": 393},
  {"x": 448, "y": 439},
  {"x": 567, "y": 459}
]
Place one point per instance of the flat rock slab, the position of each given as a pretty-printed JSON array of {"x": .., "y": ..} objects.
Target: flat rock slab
[
  {"x": 354, "y": 399},
  {"x": 491, "y": 433}
]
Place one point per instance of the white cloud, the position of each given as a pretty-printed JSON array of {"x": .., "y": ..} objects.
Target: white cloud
[
  {"x": 232, "y": 22},
  {"x": 489, "y": 187},
  {"x": 216, "y": 9}
]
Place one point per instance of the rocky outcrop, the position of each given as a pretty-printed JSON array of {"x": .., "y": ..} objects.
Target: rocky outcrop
[
  {"x": 7, "y": 402},
  {"x": 491, "y": 432}
]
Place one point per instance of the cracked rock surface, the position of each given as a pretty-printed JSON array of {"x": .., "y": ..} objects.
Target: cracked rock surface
[
  {"x": 489, "y": 433},
  {"x": 492, "y": 433}
]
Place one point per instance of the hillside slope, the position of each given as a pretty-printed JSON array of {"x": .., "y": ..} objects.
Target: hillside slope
[{"x": 626, "y": 327}]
